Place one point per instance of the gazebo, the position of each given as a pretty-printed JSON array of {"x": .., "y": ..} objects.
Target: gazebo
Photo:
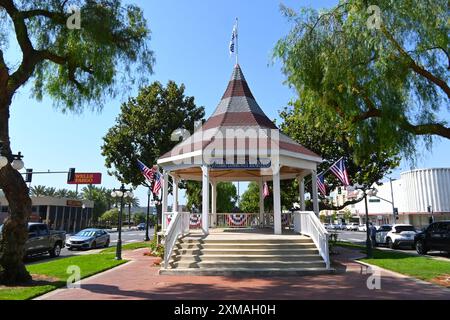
[{"x": 238, "y": 143}]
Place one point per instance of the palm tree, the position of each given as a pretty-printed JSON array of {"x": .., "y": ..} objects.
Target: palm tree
[
  {"x": 61, "y": 193},
  {"x": 50, "y": 191},
  {"x": 131, "y": 202},
  {"x": 38, "y": 191}
]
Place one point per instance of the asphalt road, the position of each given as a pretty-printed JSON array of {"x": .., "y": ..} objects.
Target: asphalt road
[
  {"x": 360, "y": 238},
  {"x": 128, "y": 236}
]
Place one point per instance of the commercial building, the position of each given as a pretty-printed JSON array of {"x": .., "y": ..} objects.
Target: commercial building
[
  {"x": 418, "y": 195},
  {"x": 70, "y": 215}
]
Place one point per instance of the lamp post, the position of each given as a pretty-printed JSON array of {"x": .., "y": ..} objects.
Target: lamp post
[
  {"x": 15, "y": 160},
  {"x": 147, "y": 221},
  {"x": 121, "y": 193}
]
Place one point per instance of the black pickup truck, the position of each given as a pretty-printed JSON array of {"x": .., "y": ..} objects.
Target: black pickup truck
[{"x": 42, "y": 240}]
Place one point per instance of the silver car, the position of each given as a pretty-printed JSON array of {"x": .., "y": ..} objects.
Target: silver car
[{"x": 88, "y": 239}]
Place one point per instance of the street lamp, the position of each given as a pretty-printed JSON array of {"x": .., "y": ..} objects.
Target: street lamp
[
  {"x": 15, "y": 160},
  {"x": 147, "y": 220},
  {"x": 120, "y": 193}
]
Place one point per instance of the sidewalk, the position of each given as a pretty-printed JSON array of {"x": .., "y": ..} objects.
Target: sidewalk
[{"x": 137, "y": 279}]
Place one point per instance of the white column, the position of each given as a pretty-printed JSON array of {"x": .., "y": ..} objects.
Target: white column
[
  {"x": 301, "y": 184},
  {"x": 205, "y": 199},
  {"x": 276, "y": 203},
  {"x": 315, "y": 197},
  {"x": 214, "y": 203},
  {"x": 165, "y": 195},
  {"x": 175, "y": 194},
  {"x": 261, "y": 202}
]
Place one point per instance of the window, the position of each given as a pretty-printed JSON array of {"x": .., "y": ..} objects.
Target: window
[
  {"x": 43, "y": 231},
  {"x": 32, "y": 231},
  {"x": 399, "y": 229}
]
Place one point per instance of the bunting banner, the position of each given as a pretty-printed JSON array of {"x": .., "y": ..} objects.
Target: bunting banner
[
  {"x": 236, "y": 220},
  {"x": 195, "y": 221}
]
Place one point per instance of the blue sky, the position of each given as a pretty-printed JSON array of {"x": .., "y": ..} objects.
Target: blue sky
[{"x": 190, "y": 40}]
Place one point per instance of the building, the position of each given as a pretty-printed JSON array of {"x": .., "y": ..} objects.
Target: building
[
  {"x": 418, "y": 195},
  {"x": 70, "y": 215}
]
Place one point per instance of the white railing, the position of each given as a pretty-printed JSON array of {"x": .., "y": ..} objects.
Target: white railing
[
  {"x": 178, "y": 226},
  {"x": 307, "y": 223}
]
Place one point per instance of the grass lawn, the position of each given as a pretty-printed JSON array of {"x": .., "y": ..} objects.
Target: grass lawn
[
  {"x": 128, "y": 246},
  {"x": 419, "y": 267},
  {"x": 51, "y": 275}
]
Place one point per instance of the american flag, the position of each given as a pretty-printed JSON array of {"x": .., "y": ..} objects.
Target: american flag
[
  {"x": 266, "y": 191},
  {"x": 321, "y": 184},
  {"x": 233, "y": 38},
  {"x": 340, "y": 172},
  {"x": 146, "y": 171},
  {"x": 157, "y": 183}
]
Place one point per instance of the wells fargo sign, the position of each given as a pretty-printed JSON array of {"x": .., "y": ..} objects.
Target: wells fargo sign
[{"x": 87, "y": 178}]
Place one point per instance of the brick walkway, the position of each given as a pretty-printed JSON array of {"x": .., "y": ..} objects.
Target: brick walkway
[{"x": 137, "y": 279}]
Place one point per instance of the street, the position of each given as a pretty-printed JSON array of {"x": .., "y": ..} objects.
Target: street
[
  {"x": 359, "y": 237},
  {"x": 128, "y": 236}
]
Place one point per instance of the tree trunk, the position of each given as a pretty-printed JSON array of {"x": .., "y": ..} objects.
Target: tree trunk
[{"x": 14, "y": 233}]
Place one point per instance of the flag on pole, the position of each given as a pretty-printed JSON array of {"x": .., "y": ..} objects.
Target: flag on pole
[
  {"x": 340, "y": 172},
  {"x": 158, "y": 182},
  {"x": 321, "y": 184},
  {"x": 233, "y": 40},
  {"x": 266, "y": 191},
  {"x": 146, "y": 171}
]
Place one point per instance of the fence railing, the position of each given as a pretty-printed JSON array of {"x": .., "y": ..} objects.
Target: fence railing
[
  {"x": 178, "y": 226},
  {"x": 307, "y": 223}
]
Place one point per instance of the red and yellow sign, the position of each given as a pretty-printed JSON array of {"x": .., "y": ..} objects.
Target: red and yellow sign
[{"x": 87, "y": 178}]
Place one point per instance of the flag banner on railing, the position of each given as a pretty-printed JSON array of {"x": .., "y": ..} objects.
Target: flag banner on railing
[
  {"x": 195, "y": 221},
  {"x": 236, "y": 220},
  {"x": 169, "y": 218}
]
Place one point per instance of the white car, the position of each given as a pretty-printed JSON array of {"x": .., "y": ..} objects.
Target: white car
[
  {"x": 351, "y": 227},
  {"x": 396, "y": 235},
  {"x": 362, "y": 228}
]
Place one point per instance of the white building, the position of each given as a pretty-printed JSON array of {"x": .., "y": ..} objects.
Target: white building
[{"x": 418, "y": 194}]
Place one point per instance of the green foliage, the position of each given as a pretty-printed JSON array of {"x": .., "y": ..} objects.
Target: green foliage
[
  {"x": 144, "y": 128},
  {"x": 226, "y": 195},
  {"x": 78, "y": 66},
  {"x": 329, "y": 139},
  {"x": 111, "y": 217},
  {"x": 381, "y": 87},
  {"x": 139, "y": 217},
  {"x": 249, "y": 202}
]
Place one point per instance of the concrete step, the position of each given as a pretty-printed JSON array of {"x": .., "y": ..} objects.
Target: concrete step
[
  {"x": 245, "y": 257},
  {"x": 252, "y": 251},
  {"x": 248, "y": 264},
  {"x": 245, "y": 272},
  {"x": 244, "y": 246},
  {"x": 247, "y": 241}
]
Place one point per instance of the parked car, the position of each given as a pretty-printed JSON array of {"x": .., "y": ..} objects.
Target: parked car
[
  {"x": 141, "y": 226},
  {"x": 396, "y": 235},
  {"x": 89, "y": 239},
  {"x": 435, "y": 237},
  {"x": 352, "y": 227},
  {"x": 42, "y": 240},
  {"x": 362, "y": 228},
  {"x": 341, "y": 226}
]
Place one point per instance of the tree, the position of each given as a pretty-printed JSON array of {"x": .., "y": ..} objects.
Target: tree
[
  {"x": 99, "y": 196},
  {"x": 382, "y": 70},
  {"x": 139, "y": 217},
  {"x": 131, "y": 202},
  {"x": 249, "y": 202},
  {"x": 38, "y": 191},
  {"x": 74, "y": 67},
  {"x": 328, "y": 139},
  {"x": 111, "y": 217},
  {"x": 226, "y": 196},
  {"x": 144, "y": 130}
]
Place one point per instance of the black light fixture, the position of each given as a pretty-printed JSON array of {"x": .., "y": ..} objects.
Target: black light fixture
[{"x": 121, "y": 193}]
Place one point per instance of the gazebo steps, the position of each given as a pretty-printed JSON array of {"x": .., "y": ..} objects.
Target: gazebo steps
[
  {"x": 246, "y": 246},
  {"x": 243, "y": 254},
  {"x": 248, "y": 252},
  {"x": 246, "y": 258},
  {"x": 245, "y": 272}
]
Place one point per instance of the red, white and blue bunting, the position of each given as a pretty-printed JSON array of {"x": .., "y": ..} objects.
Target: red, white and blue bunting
[
  {"x": 236, "y": 220},
  {"x": 169, "y": 218},
  {"x": 195, "y": 221}
]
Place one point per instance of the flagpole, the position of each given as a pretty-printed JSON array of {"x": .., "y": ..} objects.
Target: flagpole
[{"x": 237, "y": 42}]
